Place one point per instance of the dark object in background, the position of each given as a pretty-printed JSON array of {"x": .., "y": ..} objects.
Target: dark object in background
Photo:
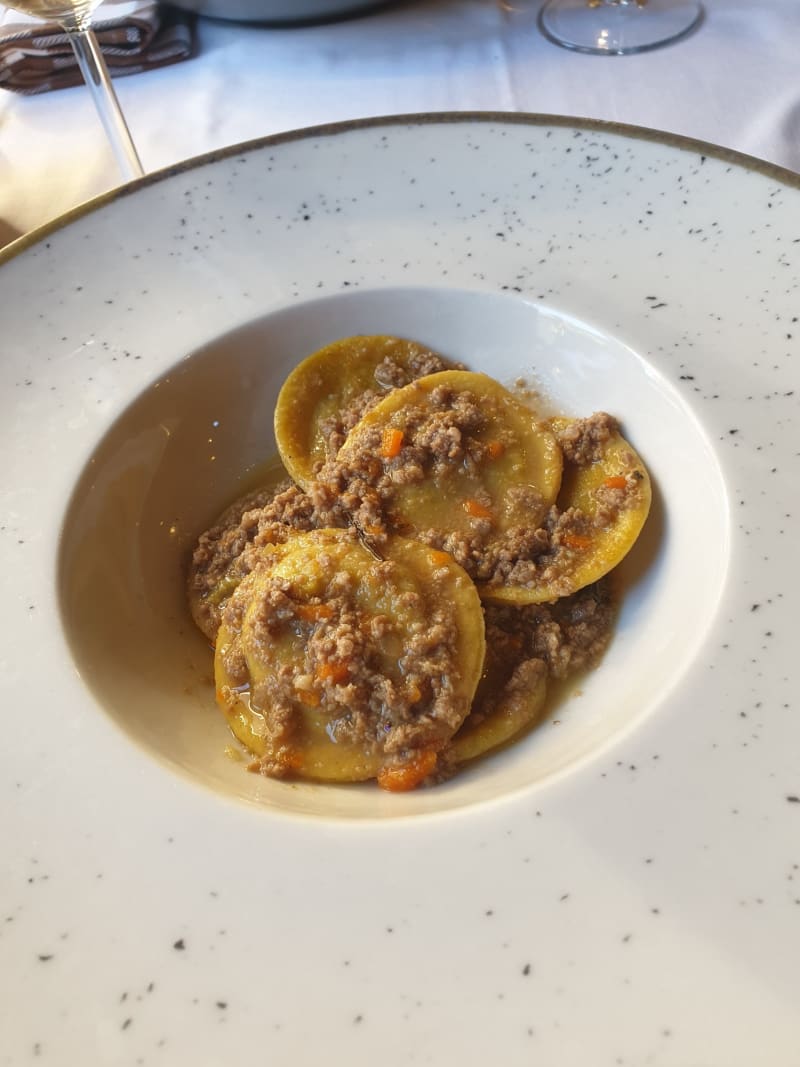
[
  {"x": 134, "y": 36},
  {"x": 283, "y": 11}
]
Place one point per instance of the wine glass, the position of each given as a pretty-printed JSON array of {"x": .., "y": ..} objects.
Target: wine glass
[
  {"x": 74, "y": 17},
  {"x": 618, "y": 27}
]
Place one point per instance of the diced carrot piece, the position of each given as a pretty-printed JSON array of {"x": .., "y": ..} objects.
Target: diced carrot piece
[
  {"x": 334, "y": 672},
  {"x": 309, "y": 697},
  {"x": 313, "y": 612},
  {"x": 289, "y": 758},
  {"x": 572, "y": 540},
  {"x": 408, "y": 775},
  {"x": 441, "y": 559},
  {"x": 391, "y": 442},
  {"x": 495, "y": 449},
  {"x": 475, "y": 509},
  {"x": 616, "y": 481}
]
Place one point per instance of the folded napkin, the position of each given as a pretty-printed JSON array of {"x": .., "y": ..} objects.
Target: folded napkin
[{"x": 134, "y": 35}]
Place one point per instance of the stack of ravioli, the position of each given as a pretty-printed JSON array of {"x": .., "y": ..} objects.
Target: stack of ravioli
[{"x": 436, "y": 554}]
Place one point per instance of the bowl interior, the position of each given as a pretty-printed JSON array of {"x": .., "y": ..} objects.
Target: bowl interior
[{"x": 202, "y": 434}]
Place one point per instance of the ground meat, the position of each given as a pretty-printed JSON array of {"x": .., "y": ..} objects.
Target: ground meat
[
  {"x": 336, "y": 427},
  {"x": 389, "y": 374},
  {"x": 568, "y": 636},
  {"x": 360, "y": 486},
  {"x": 357, "y": 490},
  {"x": 612, "y": 499},
  {"x": 231, "y": 547},
  {"x": 419, "y": 363},
  {"x": 446, "y": 436},
  {"x": 543, "y": 556},
  {"x": 583, "y": 440}
]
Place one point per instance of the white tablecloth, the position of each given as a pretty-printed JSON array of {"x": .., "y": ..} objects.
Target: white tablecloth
[{"x": 735, "y": 82}]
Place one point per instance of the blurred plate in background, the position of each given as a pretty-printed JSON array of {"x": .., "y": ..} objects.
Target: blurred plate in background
[{"x": 278, "y": 10}]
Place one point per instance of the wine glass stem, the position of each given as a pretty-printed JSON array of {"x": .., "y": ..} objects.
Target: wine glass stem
[{"x": 95, "y": 74}]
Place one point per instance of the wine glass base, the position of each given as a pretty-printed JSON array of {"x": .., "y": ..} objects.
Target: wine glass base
[{"x": 618, "y": 27}]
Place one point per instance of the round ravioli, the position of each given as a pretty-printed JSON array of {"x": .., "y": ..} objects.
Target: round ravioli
[
  {"x": 452, "y": 459},
  {"x": 602, "y": 506},
  {"x": 510, "y": 697},
  {"x": 334, "y": 665},
  {"x": 326, "y": 394},
  {"x": 526, "y": 647}
]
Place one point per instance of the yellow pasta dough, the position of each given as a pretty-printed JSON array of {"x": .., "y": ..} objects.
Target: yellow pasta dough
[
  {"x": 603, "y": 505},
  {"x": 336, "y": 666},
  {"x": 352, "y": 372}
]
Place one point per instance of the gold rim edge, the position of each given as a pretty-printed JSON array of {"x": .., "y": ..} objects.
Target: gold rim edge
[{"x": 522, "y": 118}]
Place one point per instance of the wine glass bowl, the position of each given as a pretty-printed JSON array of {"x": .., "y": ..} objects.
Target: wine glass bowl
[
  {"x": 75, "y": 18},
  {"x": 64, "y": 12},
  {"x": 618, "y": 27}
]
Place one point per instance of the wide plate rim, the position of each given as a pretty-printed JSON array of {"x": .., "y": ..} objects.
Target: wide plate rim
[{"x": 329, "y": 129}]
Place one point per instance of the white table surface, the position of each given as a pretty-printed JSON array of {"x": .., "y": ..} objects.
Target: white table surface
[{"x": 735, "y": 82}]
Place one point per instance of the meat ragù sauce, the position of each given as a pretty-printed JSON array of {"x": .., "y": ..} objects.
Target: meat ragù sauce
[{"x": 399, "y": 605}]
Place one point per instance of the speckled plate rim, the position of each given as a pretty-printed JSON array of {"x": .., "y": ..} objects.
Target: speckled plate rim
[{"x": 629, "y": 130}]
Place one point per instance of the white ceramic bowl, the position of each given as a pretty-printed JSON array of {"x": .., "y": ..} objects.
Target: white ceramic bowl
[{"x": 619, "y": 887}]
